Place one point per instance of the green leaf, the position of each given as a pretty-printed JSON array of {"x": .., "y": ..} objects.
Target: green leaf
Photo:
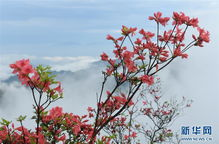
[
  {"x": 169, "y": 134},
  {"x": 99, "y": 142},
  {"x": 4, "y": 122},
  {"x": 55, "y": 96},
  {"x": 21, "y": 118}
]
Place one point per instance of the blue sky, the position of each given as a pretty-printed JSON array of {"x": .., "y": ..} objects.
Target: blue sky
[{"x": 76, "y": 27}]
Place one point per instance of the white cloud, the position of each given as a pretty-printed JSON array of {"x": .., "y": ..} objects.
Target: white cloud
[
  {"x": 59, "y": 59},
  {"x": 79, "y": 89},
  {"x": 70, "y": 63},
  {"x": 58, "y": 63}
]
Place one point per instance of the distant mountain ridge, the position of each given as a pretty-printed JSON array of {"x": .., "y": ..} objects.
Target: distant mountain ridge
[{"x": 96, "y": 67}]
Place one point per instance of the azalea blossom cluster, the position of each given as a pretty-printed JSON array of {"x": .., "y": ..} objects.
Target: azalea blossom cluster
[
  {"x": 18, "y": 135},
  {"x": 114, "y": 103},
  {"x": 153, "y": 51},
  {"x": 132, "y": 67},
  {"x": 24, "y": 69},
  {"x": 45, "y": 89},
  {"x": 66, "y": 127},
  {"x": 37, "y": 78},
  {"x": 56, "y": 126},
  {"x": 149, "y": 117},
  {"x": 137, "y": 64}
]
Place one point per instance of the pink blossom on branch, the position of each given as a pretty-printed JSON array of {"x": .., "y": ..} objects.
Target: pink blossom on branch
[
  {"x": 157, "y": 17},
  {"x": 142, "y": 59},
  {"x": 126, "y": 31},
  {"x": 147, "y": 79}
]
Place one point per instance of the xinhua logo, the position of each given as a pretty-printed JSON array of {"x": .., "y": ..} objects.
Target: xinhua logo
[{"x": 196, "y": 133}]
